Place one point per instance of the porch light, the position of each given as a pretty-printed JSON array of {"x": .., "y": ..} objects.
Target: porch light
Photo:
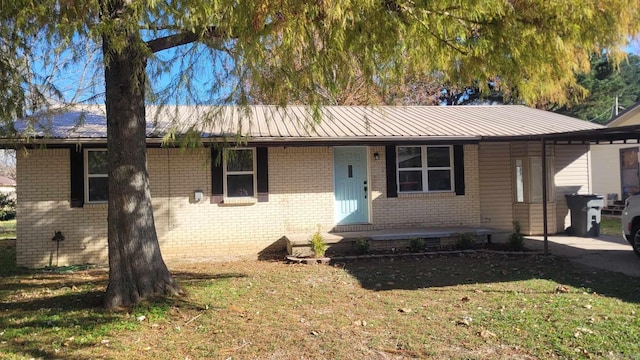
[{"x": 376, "y": 156}]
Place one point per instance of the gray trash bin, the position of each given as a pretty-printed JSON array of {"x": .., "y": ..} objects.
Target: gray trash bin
[{"x": 585, "y": 214}]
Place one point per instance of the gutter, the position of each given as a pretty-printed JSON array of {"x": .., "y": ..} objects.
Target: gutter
[{"x": 361, "y": 140}]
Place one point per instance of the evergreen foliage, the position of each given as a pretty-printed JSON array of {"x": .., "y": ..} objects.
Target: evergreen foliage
[
  {"x": 318, "y": 244},
  {"x": 604, "y": 83}
]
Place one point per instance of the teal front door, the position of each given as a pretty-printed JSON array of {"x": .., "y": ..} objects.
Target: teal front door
[{"x": 351, "y": 188}]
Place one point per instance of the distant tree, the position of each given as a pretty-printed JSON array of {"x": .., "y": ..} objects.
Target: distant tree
[
  {"x": 8, "y": 163},
  {"x": 293, "y": 50},
  {"x": 427, "y": 90},
  {"x": 7, "y": 206},
  {"x": 604, "y": 83}
]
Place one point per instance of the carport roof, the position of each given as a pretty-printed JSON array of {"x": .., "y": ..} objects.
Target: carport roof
[{"x": 622, "y": 134}]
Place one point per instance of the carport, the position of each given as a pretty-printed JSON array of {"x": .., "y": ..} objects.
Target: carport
[{"x": 616, "y": 135}]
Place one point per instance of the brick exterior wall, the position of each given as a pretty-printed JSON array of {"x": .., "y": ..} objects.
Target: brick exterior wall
[
  {"x": 301, "y": 200},
  {"x": 43, "y": 208},
  {"x": 421, "y": 210}
]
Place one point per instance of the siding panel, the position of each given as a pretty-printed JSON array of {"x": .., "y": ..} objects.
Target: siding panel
[
  {"x": 572, "y": 177},
  {"x": 496, "y": 193},
  {"x": 605, "y": 160}
]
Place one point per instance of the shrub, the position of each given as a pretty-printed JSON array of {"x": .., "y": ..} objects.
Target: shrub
[
  {"x": 417, "y": 244},
  {"x": 516, "y": 239},
  {"x": 318, "y": 245},
  {"x": 7, "y": 207},
  {"x": 466, "y": 241},
  {"x": 361, "y": 245}
]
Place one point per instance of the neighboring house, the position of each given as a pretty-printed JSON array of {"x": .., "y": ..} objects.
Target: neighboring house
[
  {"x": 359, "y": 169},
  {"x": 7, "y": 185},
  {"x": 615, "y": 166}
]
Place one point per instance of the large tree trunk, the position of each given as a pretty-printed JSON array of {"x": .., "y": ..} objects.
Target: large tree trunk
[{"x": 136, "y": 268}]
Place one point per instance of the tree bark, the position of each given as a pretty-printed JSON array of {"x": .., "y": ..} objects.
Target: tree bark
[{"x": 136, "y": 268}]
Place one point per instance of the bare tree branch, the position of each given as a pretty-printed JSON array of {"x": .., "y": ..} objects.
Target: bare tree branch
[
  {"x": 171, "y": 41},
  {"x": 209, "y": 37}
]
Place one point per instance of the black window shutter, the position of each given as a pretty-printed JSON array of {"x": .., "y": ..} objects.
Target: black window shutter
[
  {"x": 458, "y": 168},
  {"x": 262, "y": 160},
  {"x": 77, "y": 177},
  {"x": 217, "y": 187},
  {"x": 392, "y": 183}
]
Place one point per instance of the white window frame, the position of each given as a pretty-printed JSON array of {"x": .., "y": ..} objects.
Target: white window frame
[
  {"x": 535, "y": 165},
  {"x": 528, "y": 179},
  {"x": 87, "y": 176},
  {"x": 519, "y": 181},
  {"x": 253, "y": 172},
  {"x": 424, "y": 169}
]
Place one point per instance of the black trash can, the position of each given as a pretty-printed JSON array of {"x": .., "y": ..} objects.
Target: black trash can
[{"x": 585, "y": 214}]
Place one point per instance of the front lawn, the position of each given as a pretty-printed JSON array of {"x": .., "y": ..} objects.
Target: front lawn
[{"x": 457, "y": 306}]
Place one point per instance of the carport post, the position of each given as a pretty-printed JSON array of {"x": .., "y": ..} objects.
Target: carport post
[{"x": 544, "y": 197}]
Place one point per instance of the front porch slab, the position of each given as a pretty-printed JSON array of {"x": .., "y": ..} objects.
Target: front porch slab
[{"x": 387, "y": 239}]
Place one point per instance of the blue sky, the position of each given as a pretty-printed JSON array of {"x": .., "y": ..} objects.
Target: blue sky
[
  {"x": 634, "y": 46},
  {"x": 84, "y": 82}
]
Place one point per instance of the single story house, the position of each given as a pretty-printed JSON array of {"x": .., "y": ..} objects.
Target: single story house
[
  {"x": 359, "y": 168},
  {"x": 616, "y": 167}
]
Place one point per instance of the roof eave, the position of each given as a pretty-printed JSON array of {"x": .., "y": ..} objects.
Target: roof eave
[
  {"x": 587, "y": 136},
  {"x": 273, "y": 141},
  {"x": 629, "y": 112}
]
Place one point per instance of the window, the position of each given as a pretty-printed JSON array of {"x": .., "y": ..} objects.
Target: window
[
  {"x": 528, "y": 180},
  {"x": 519, "y": 182},
  {"x": 424, "y": 168},
  {"x": 535, "y": 164},
  {"x": 240, "y": 174},
  {"x": 97, "y": 176},
  {"x": 536, "y": 179}
]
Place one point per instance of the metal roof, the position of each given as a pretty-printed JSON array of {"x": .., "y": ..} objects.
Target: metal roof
[{"x": 266, "y": 123}]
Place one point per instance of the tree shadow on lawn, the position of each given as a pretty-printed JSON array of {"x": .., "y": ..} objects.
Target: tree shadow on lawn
[
  {"x": 42, "y": 311},
  {"x": 44, "y": 326},
  {"x": 185, "y": 277},
  {"x": 28, "y": 281},
  {"x": 34, "y": 350},
  {"x": 438, "y": 271},
  {"x": 75, "y": 294}
]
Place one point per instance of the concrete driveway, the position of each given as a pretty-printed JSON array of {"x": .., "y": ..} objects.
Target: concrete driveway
[{"x": 606, "y": 252}]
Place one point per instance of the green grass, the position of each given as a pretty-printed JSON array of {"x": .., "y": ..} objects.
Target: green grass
[
  {"x": 8, "y": 229},
  {"x": 610, "y": 226},
  {"x": 475, "y": 306}
]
